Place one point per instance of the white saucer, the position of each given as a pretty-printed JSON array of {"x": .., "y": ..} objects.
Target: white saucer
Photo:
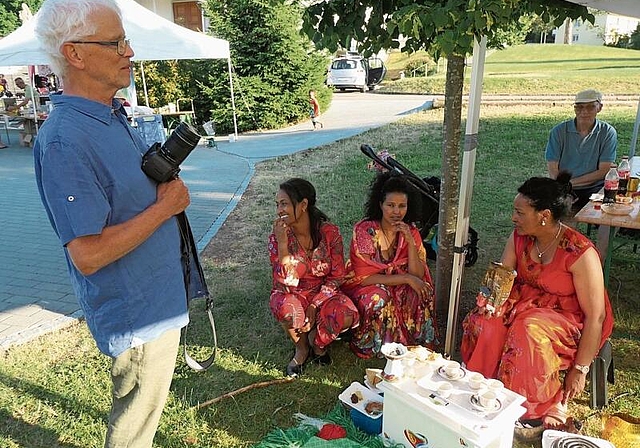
[
  {"x": 476, "y": 404},
  {"x": 442, "y": 373}
]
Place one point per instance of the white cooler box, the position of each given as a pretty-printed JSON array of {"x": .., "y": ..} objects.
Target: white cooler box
[{"x": 415, "y": 416}]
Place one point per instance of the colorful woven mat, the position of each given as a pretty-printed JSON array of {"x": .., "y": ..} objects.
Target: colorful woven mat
[{"x": 298, "y": 437}]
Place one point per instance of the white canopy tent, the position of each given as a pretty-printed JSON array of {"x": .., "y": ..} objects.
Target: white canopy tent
[
  {"x": 630, "y": 8},
  {"x": 153, "y": 38}
]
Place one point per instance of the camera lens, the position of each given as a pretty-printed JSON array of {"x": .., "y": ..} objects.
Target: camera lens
[{"x": 181, "y": 143}]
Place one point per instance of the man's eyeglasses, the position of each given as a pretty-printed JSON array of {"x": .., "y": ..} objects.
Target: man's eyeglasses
[
  {"x": 586, "y": 106},
  {"x": 121, "y": 45}
]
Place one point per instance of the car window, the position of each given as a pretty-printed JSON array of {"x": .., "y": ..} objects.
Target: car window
[{"x": 343, "y": 64}]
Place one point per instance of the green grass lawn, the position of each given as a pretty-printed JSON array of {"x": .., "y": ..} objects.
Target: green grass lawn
[
  {"x": 54, "y": 391},
  {"x": 536, "y": 69}
]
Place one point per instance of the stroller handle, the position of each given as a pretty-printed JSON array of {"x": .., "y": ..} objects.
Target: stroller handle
[{"x": 369, "y": 152}]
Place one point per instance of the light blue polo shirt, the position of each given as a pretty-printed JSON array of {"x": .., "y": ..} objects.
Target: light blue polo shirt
[
  {"x": 87, "y": 164},
  {"x": 582, "y": 155}
]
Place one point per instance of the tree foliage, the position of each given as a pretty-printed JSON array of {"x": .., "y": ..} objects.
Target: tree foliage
[
  {"x": 9, "y": 14},
  {"x": 634, "y": 39},
  {"x": 162, "y": 79},
  {"x": 274, "y": 66},
  {"x": 445, "y": 26}
]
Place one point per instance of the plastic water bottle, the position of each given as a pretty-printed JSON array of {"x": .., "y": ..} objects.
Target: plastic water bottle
[
  {"x": 624, "y": 172},
  {"x": 611, "y": 182}
]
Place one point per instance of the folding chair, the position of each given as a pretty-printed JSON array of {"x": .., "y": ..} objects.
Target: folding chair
[
  {"x": 4, "y": 122},
  {"x": 601, "y": 372},
  {"x": 210, "y": 129}
]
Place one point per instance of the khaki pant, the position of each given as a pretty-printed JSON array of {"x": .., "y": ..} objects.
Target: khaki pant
[{"x": 141, "y": 377}]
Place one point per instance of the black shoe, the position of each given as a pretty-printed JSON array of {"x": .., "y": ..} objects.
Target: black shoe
[
  {"x": 323, "y": 360},
  {"x": 345, "y": 336},
  {"x": 295, "y": 370}
]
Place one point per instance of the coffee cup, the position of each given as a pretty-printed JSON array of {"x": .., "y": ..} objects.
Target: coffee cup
[
  {"x": 445, "y": 389},
  {"x": 452, "y": 369},
  {"x": 488, "y": 399},
  {"x": 495, "y": 385},
  {"x": 476, "y": 381}
]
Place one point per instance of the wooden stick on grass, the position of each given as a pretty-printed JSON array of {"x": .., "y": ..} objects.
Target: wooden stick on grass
[{"x": 244, "y": 389}]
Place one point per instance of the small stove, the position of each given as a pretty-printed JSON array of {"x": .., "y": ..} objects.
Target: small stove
[{"x": 560, "y": 439}]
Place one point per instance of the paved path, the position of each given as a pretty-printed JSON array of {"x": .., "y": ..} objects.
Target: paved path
[{"x": 35, "y": 294}]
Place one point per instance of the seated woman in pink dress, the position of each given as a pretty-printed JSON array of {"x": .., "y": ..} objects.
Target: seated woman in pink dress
[
  {"x": 557, "y": 316},
  {"x": 388, "y": 278},
  {"x": 307, "y": 257}
]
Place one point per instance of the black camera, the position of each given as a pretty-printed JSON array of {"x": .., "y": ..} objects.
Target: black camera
[{"x": 162, "y": 162}]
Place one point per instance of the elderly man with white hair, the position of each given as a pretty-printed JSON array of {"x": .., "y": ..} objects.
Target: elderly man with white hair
[{"x": 117, "y": 226}]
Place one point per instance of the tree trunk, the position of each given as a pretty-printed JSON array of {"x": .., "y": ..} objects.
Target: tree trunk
[
  {"x": 568, "y": 31},
  {"x": 450, "y": 185}
]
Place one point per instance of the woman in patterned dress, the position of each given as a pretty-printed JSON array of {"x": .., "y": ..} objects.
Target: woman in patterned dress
[
  {"x": 388, "y": 278},
  {"x": 558, "y": 314},
  {"x": 307, "y": 257}
]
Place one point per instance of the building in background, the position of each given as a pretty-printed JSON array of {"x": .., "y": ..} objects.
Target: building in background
[
  {"x": 606, "y": 30},
  {"x": 185, "y": 13}
]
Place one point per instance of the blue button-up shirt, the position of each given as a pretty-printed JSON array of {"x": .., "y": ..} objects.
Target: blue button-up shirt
[{"x": 87, "y": 165}]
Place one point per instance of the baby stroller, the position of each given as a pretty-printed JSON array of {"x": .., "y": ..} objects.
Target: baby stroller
[{"x": 429, "y": 189}]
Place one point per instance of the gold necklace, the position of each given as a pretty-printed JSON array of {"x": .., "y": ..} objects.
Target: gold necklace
[
  {"x": 390, "y": 244},
  {"x": 541, "y": 253},
  {"x": 308, "y": 251}
]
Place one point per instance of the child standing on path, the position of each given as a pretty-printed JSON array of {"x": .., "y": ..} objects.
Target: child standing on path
[{"x": 314, "y": 111}]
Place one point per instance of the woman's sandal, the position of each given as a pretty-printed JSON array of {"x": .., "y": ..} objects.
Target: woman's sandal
[
  {"x": 323, "y": 360},
  {"x": 568, "y": 424},
  {"x": 294, "y": 368}
]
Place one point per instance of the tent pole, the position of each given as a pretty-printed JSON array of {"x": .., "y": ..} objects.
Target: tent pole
[
  {"x": 233, "y": 100},
  {"x": 144, "y": 84},
  {"x": 131, "y": 90},
  {"x": 32, "y": 70},
  {"x": 466, "y": 189},
  {"x": 634, "y": 138}
]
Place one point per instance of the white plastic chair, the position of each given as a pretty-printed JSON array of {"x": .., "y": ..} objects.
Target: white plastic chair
[
  {"x": 210, "y": 129},
  {"x": 5, "y": 124}
]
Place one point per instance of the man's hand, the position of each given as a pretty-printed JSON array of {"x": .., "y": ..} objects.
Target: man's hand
[{"x": 173, "y": 197}]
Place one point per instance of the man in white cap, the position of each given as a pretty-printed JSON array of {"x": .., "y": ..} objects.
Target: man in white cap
[{"x": 584, "y": 146}]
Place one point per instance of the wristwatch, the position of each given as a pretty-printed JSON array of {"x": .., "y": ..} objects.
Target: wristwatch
[{"x": 582, "y": 369}]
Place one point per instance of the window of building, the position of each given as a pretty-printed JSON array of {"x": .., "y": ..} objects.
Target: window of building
[{"x": 188, "y": 15}]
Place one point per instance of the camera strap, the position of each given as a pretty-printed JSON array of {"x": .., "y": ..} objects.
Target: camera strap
[{"x": 196, "y": 287}]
